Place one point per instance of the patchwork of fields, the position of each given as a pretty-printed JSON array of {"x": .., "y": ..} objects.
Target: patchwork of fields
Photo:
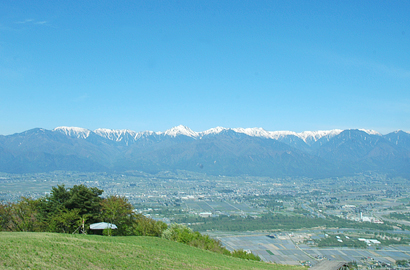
[{"x": 281, "y": 248}]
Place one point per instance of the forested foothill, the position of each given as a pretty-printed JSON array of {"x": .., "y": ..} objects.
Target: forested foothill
[{"x": 65, "y": 210}]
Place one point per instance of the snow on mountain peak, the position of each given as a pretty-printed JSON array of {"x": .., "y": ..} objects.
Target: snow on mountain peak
[
  {"x": 146, "y": 133},
  {"x": 181, "y": 130},
  {"x": 114, "y": 134},
  {"x": 125, "y": 135},
  {"x": 215, "y": 130},
  {"x": 74, "y": 131},
  {"x": 254, "y": 132},
  {"x": 306, "y": 136},
  {"x": 399, "y": 130},
  {"x": 370, "y": 132},
  {"x": 114, "y": 131},
  {"x": 316, "y": 135},
  {"x": 279, "y": 134}
]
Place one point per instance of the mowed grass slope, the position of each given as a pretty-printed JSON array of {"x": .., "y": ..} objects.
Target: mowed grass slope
[{"x": 62, "y": 251}]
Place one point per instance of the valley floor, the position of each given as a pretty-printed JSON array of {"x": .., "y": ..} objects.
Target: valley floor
[{"x": 284, "y": 248}]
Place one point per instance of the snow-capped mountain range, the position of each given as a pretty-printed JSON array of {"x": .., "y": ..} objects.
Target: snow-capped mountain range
[
  {"x": 308, "y": 137},
  {"x": 217, "y": 151}
]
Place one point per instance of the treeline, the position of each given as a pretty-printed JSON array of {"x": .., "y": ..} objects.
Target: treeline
[
  {"x": 275, "y": 222},
  {"x": 66, "y": 209},
  {"x": 400, "y": 216},
  {"x": 347, "y": 242}
]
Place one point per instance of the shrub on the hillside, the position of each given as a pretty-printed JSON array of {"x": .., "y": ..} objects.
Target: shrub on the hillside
[
  {"x": 183, "y": 234},
  {"x": 145, "y": 226},
  {"x": 245, "y": 255},
  {"x": 208, "y": 243},
  {"x": 178, "y": 233},
  {"x": 65, "y": 221},
  {"x": 5, "y": 216},
  {"x": 25, "y": 217}
]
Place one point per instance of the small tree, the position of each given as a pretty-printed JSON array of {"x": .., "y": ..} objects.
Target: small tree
[
  {"x": 65, "y": 221},
  {"x": 179, "y": 233},
  {"x": 5, "y": 216},
  {"x": 25, "y": 217},
  {"x": 118, "y": 210},
  {"x": 146, "y": 226},
  {"x": 245, "y": 255},
  {"x": 87, "y": 200}
]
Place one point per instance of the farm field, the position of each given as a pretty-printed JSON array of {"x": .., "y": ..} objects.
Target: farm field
[{"x": 287, "y": 248}]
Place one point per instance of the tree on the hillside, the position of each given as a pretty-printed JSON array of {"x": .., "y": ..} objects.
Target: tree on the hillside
[
  {"x": 65, "y": 208},
  {"x": 59, "y": 196},
  {"x": 65, "y": 221},
  {"x": 87, "y": 200},
  {"x": 25, "y": 216},
  {"x": 5, "y": 216},
  {"x": 52, "y": 204},
  {"x": 118, "y": 210}
]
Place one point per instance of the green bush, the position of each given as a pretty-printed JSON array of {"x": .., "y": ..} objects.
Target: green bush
[
  {"x": 183, "y": 234},
  {"x": 245, "y": 255},
  {"x": 145, "y": 226}
]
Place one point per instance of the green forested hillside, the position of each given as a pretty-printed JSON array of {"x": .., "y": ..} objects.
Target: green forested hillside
[{"x": 62, "y": 251}]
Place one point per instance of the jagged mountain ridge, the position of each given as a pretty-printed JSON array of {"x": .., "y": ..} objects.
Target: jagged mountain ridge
[
  {"x": 220, "y": 151},
  {"x": 306, "y": 141},
  {"x": 308, "y": 137}
]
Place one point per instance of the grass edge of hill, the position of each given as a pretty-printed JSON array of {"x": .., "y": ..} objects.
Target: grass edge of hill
[{"x": 63, "y": 251}]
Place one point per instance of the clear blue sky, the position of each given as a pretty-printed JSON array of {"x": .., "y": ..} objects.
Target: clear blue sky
[{"x": 152, "y": 65}]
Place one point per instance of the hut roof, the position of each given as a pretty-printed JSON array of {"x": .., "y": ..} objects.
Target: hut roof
[{"x": 102, "y": 226}]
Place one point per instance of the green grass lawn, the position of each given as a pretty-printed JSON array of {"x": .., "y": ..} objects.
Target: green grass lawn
[{"x": 62, "y": 251}]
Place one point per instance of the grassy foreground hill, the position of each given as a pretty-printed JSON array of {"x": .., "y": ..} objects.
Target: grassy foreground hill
[{"x": 62, "y": 251}]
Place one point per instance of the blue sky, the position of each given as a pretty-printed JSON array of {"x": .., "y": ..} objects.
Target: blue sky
[{"x": 152, "y": 65}]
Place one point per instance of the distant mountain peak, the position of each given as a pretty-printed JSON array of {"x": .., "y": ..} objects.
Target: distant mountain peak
[
  {"x": 370, "y": 131},
  {"x": 215, "y": 130},
  {"x": 316, "y": 135},
  {"x": 115, "y": 134},
  {"x": 253, "y": 132},
  {"x": 76, "y": 132},
  {"x": 113, "y": 131},
  {"x": 181, "y": 130},
  {"x": 400, "y": 131}
]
